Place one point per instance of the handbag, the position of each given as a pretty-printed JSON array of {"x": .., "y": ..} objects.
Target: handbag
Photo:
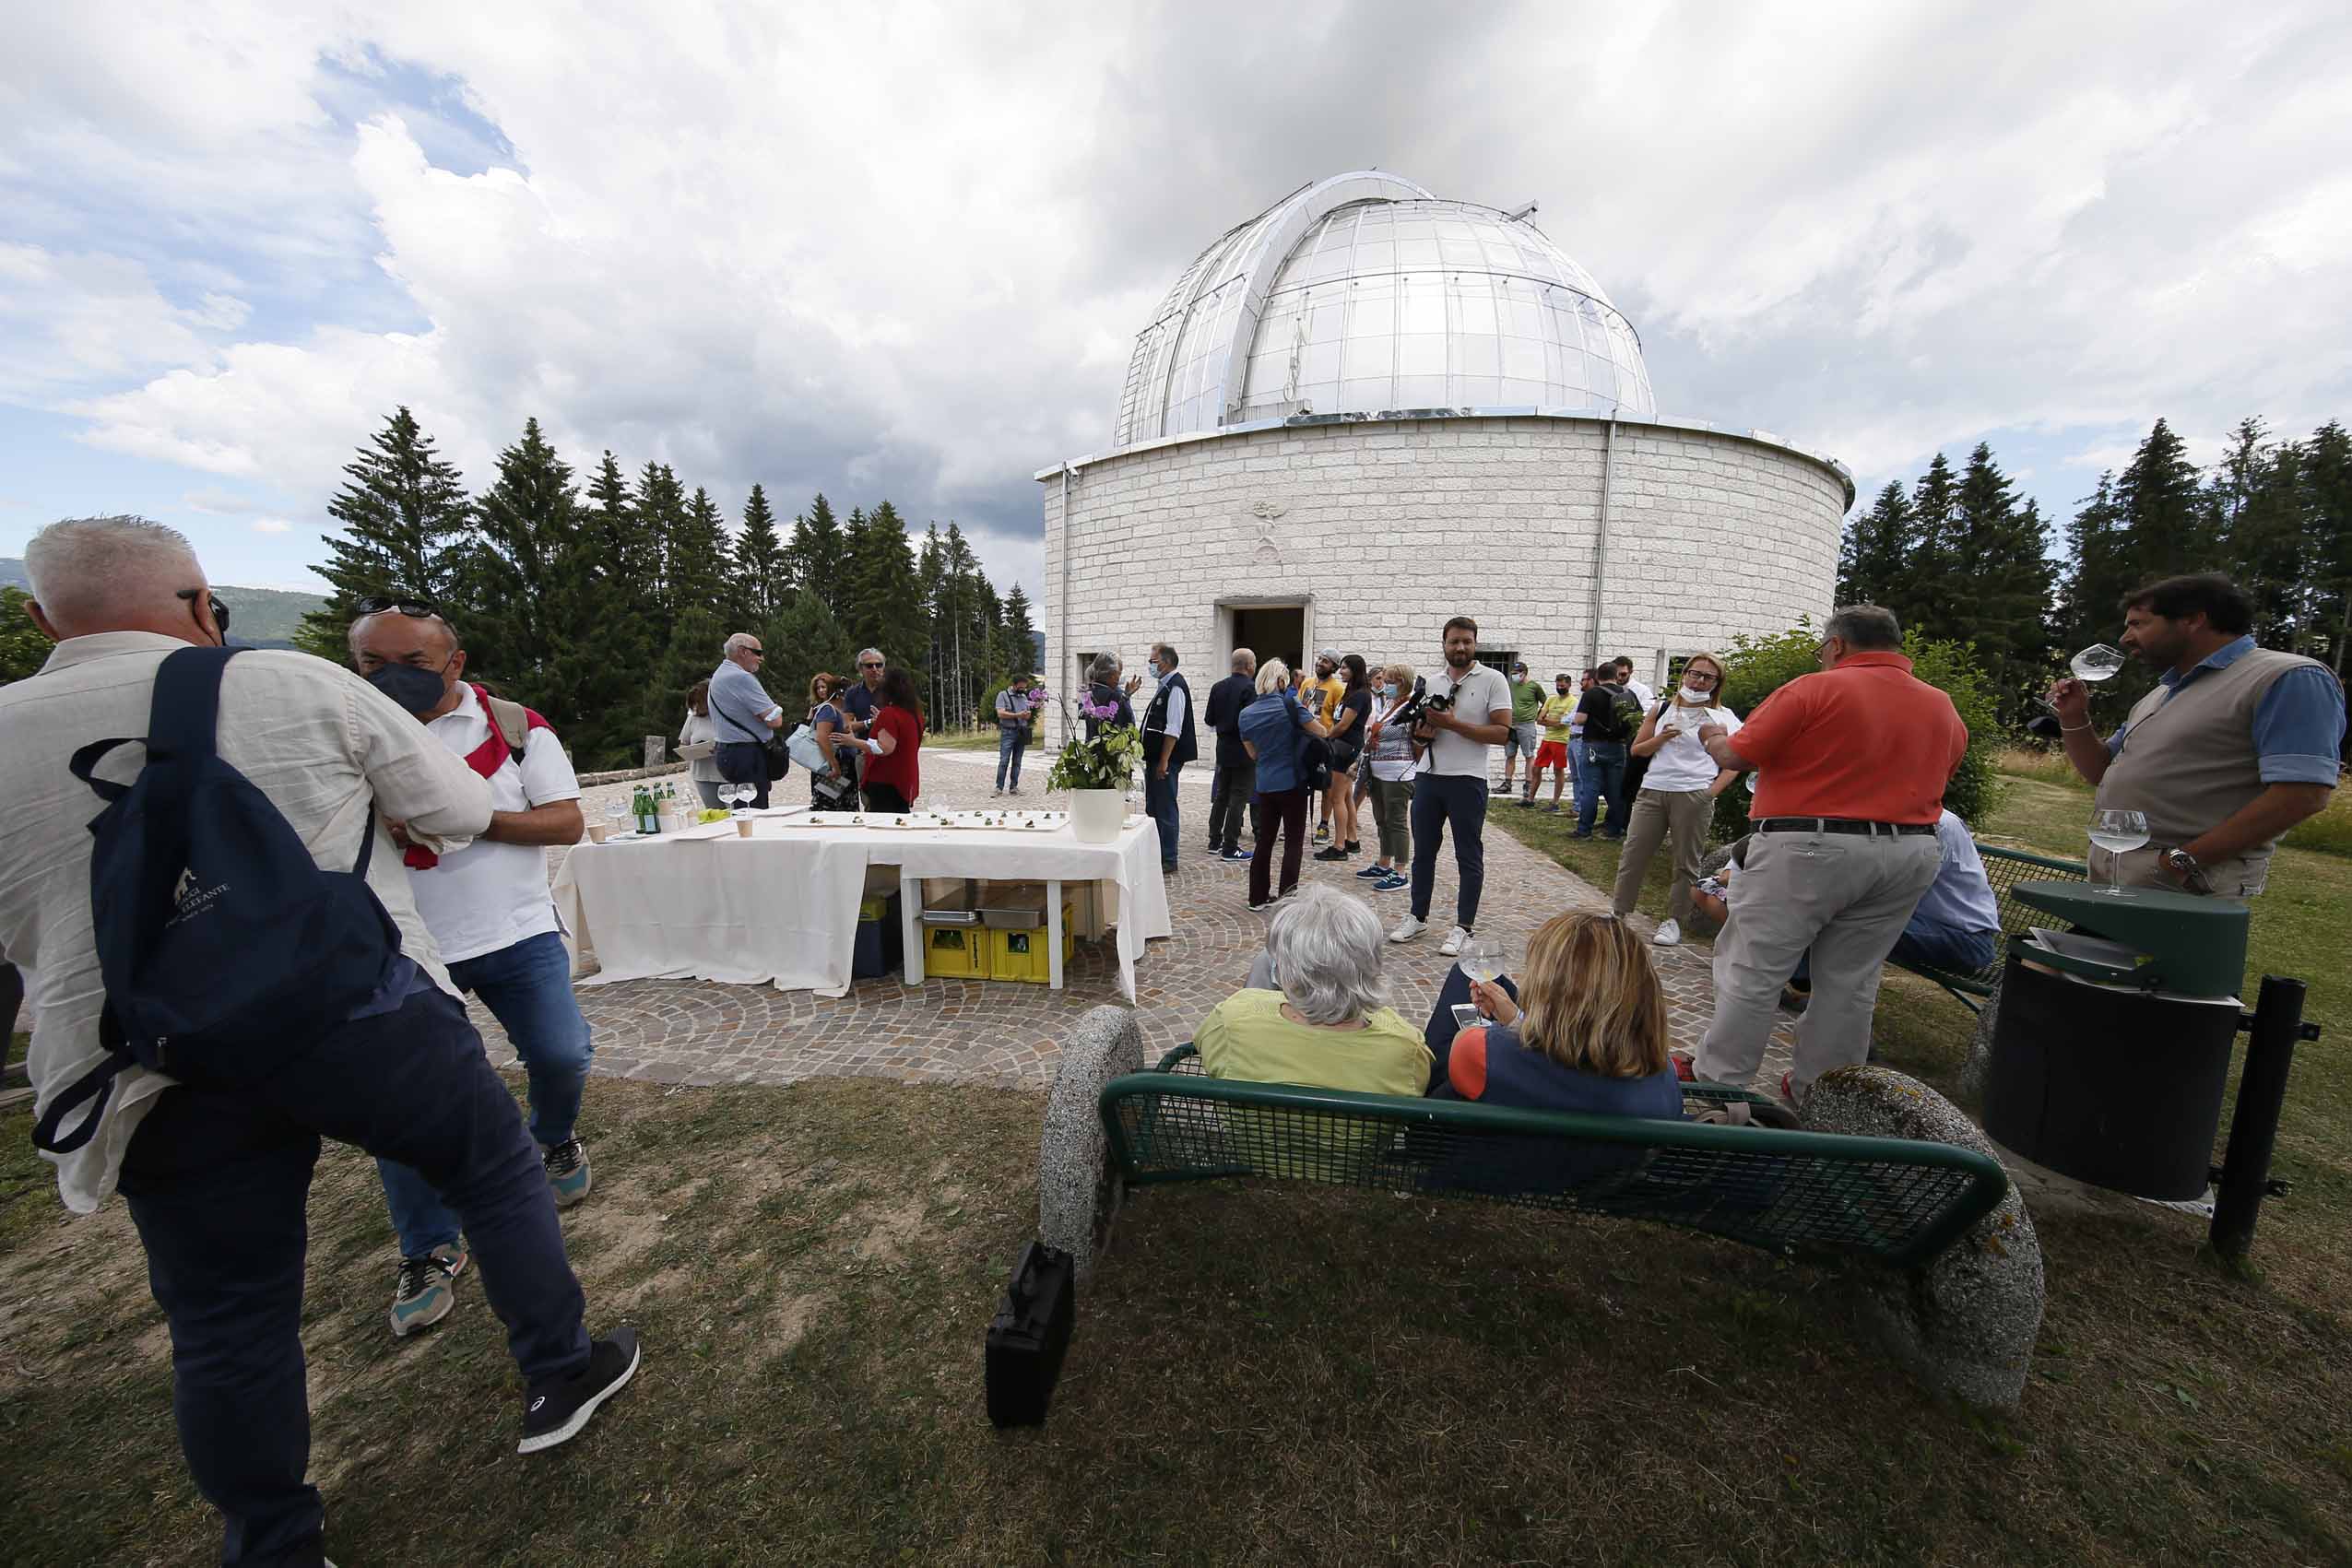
[{"x": 802, "y": 745}]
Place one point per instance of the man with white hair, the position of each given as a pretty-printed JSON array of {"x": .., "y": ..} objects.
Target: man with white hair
[
  {"x": 743, "y": 716},
  {"x": 491, "y": 916},
  {"x": 218, "y": 1181},
  {"x": 859, "y": 701}
]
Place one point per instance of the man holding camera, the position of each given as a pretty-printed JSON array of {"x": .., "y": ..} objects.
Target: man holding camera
[{"x": 1466, "y": 712}]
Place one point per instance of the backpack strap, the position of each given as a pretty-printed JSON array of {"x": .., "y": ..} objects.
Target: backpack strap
[
  {"x": 513, "y": 719},
  {"x": 94, "y": 1088},
  {"x": 183, "y": 716}
]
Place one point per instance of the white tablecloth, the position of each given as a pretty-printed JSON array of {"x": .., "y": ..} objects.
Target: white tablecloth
[{"x": 781, "y": 906}]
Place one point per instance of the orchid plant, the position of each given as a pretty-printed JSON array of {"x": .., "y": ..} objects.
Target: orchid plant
[{"x": 1107, "y": 762}]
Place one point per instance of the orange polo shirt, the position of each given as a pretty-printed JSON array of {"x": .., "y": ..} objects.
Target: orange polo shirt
[{"x": 1866, "y": 740}]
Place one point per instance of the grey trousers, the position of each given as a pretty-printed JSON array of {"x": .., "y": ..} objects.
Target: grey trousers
[
  {"x": 1844, "y": 896},
  {"x": 1683, "y": 813},
  {"x": 1392, "y": 811}
]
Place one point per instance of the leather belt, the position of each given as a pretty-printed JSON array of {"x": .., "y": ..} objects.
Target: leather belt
[{"x": 1841, "y": 825}]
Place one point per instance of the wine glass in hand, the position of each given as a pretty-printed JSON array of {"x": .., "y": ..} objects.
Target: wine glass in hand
[
  {"x": 2119, "y": 834},
  {"x": 1483, "y": 958},
  {"x": 2097, "y": 663}
]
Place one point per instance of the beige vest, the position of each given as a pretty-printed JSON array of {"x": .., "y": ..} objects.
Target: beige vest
[{"x": 2189, "y": 762}]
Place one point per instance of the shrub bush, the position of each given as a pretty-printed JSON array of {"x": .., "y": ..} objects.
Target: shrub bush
[{"x": 1757, "y": 666}]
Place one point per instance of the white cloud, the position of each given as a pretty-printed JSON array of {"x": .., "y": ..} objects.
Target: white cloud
[
  {"x": 272, "y": 525},
  {"x": 893, "y": 252}
]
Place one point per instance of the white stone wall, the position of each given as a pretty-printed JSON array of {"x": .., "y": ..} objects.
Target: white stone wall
[{"x": 1386, "y": 528}]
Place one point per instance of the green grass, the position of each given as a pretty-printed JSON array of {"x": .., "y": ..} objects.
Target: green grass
[{"x": 1260, "y": 1373}]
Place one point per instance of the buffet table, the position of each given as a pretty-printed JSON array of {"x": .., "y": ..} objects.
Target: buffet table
[{"x": 780, "y": 907}]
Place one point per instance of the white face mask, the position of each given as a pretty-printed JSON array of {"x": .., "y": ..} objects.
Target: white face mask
[{"x": 1688, "y": 695}]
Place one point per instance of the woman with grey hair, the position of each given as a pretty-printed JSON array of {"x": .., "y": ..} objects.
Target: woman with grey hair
[{"x": 1322, "y": 1019}]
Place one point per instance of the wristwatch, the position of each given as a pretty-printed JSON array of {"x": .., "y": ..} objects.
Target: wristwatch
[{"x": 2184, "y": 865}]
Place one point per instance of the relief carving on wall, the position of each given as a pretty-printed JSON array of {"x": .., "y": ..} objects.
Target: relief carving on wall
[{"x": 1268, "y": 514}]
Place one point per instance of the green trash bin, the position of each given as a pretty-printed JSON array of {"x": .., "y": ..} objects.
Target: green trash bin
[{"x": 2110, "y": 1051}]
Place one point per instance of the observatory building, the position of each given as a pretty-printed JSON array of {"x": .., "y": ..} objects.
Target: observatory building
[{"x": 1369, "y": 409}]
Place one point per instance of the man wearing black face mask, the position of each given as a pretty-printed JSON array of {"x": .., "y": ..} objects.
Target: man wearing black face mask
[{"x": 487, "y": 908}]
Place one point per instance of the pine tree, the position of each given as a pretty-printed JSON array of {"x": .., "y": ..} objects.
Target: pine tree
[
  {"x": 699, "y": 559},
  {"x": 761, "y": 577},
  {"x": 1878, "y": 545},
  {"x": 660, "y": 510},
  {"x": 882, "y": 603},
  {"x": 603, "y": 643},
  {"x": 1929, "y": 595},
  {"x": 1016, "y": 647},
  {"x": 818, "y": 551},
  {"x": 2004, "y": 579},
  {"x": 2326, "y": 474},
  {"x": 404, "y": 515},
  {"x": 2256, "y": 498},
  {"x": 804, "y": 638},
  {"x": 2163, "y": 507},
  {"x": 525, "y": 523}
]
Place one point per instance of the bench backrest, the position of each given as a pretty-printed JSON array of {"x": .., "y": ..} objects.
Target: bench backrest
[
  {"x": 1808, "y": 1194},
  {"x": 2005, "y": 868}
]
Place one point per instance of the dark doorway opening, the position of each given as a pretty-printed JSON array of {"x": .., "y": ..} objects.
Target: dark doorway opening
[{"x": 1271, "y": 632}]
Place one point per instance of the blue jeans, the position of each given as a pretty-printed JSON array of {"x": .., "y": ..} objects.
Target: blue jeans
[
  {"x": 217, "y": 1184},
  {"x": 528, "y": 987},
  {"x": 1603, "y": 777},
  {"x": 1576, "y": 766},
  {"x": 1011, "y": 742},
  {"x": 1160, "y": 800},
  {"x": 1439, "y": 802},
  {"x": 1934, "y": 943}
]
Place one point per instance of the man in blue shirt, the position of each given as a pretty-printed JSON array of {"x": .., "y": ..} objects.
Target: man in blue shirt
[
  {"x": 2235, "y": 745},
  {"x": 743, "y": 716}
]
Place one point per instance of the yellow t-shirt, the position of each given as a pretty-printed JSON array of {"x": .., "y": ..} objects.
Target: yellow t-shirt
[
  {"x": 1554, "y": 715},
  {"x": 1246, "y": 1036},
  {"x": 1321, "y": 696}
]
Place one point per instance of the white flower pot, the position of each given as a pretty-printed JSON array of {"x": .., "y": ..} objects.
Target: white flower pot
[{"x": 1095, "y": 815}]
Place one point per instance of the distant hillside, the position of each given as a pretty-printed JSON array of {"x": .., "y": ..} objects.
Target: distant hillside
[{"x": 264, "y": 616}]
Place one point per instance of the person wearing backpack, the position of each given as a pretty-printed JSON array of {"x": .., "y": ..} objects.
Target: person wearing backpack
[
  {"x": 293, "y": 993},
  {"x": 487, "y": 908},
  {"x": 1612, "y": 717}
]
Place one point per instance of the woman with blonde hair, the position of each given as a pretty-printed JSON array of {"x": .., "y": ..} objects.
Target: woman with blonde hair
[
  {"x": 1678, "y": 793},
  {"x": 1388, "y": 767},
  {"x": 1586, "y": 1031}
]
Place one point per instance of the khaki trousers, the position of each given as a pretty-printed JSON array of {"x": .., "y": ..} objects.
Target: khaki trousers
[
  {"x": 1683, "y": 813},
  {"x": 1844, "y": 896}
]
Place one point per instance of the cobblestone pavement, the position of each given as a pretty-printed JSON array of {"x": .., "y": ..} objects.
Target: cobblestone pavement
[{"x": 702, "y": 1032}]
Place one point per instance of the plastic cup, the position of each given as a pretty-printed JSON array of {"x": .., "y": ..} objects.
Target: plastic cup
[
  {"x": 597, "y": 832},
  {"x": 743, "y": 827}
]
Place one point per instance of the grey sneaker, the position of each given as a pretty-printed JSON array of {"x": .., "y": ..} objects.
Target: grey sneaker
[
  {"x": 567, "y": 1172},
  {"x": 424, "y": 1294}
]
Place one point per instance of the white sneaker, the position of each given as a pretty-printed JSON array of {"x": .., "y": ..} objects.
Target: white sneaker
[
  {"x": 1407, "y": 929},
  {"x": 1668, "y": 934},
  {"x": 1452, "y": 946}
]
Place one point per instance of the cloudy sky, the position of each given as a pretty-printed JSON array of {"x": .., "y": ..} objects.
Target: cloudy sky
[{"x": 899, "y": 251}]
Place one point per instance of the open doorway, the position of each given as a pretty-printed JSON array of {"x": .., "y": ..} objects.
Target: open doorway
[{"x": 1271, "y": 632}]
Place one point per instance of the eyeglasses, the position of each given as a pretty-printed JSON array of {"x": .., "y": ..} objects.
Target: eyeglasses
[
  {"x": 1691, "y": 675},
  {"x": 415, "y": 609},
  {"x": 757, "y": 653},
  {"x": 875, "y": 664},
  {"x": 219, "y": 610}
]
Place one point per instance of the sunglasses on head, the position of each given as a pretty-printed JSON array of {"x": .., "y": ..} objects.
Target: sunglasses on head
[{"x": 416, "y": 609}]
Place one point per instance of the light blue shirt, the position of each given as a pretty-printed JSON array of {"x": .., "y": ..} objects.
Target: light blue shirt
[
  {"x": 1960, "y": 898},
  {"x": 1273, "y": 724},
  {"x": 736, "y": 701},
  {"x": 2298, "y": 724}
]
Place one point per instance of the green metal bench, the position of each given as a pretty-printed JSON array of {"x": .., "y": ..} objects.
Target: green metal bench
[
  {"x": 2005, "y": 868},
  {"x": 1817, "y": 1196},
  {"x": 1887, "y": 1173}
]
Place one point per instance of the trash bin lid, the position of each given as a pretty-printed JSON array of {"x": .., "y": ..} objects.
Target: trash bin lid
[{"x": 2191, "y": 945}]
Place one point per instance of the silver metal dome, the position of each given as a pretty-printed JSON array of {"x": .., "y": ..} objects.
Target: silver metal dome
[{"x": 1363, "y": 294}]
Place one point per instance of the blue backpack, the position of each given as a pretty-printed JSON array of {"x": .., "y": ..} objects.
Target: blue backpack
[{"x": 226, "y": 952}]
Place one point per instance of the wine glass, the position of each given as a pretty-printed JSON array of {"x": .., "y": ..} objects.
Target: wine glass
[
  {"x": 2119, "y": 834},
  {"x": 615, "y": 811},
  {"x": 736, "y": 797},
  {"x": 1483, "y": 958},
  {"x": 2097, "y": 663}
]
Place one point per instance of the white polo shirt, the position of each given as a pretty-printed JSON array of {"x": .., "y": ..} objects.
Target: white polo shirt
[{"x": 489, "y": 896}]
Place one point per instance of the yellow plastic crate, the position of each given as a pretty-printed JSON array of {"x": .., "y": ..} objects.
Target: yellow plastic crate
[
  {"x": 1024, "y": 955},
  {"x": 961, "y": 952}
]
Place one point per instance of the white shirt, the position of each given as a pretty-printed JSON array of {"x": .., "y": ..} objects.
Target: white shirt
[
  {"x": 320, "y": 743},
  {"x": 1682, "y": 762},
  {"x": 1483, "y": 690},
  {"x": 489, "y": 896},
  {"x": 1649, "y": 698}
]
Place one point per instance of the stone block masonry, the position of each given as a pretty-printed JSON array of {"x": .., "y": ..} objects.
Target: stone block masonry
[{"x": 1382, "y": 528}]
